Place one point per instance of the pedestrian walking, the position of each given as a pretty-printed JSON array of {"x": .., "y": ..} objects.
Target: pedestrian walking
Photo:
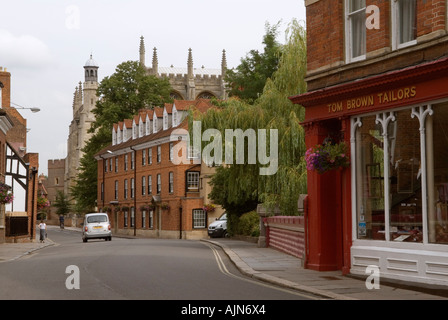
[
  {"x": 61, "y": 221},
  {"x": 43, "y": 230}
]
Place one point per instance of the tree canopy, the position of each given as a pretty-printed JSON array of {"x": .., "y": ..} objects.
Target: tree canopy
[
  {"x": 239, "y": 187},
  {"x": 121, "y": 96},
  {"x": 247, "y": 80}
]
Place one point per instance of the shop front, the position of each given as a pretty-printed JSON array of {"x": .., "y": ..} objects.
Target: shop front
[{"x": 389, "y": 208}]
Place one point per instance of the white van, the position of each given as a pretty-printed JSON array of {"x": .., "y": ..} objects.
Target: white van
[
  {"x": 218, "y": 228},
  {"x": 96, "y": 226}
]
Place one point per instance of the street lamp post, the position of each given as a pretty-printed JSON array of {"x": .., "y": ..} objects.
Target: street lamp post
[{"x": 33, "y": 110}]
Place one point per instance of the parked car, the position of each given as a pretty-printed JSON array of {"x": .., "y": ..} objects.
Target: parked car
[
  {"x": 96, "y": 226},
  {"x": 218, "y": 228}
]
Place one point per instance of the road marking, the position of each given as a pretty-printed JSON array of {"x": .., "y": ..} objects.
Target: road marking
[{"x": 226, "y": 272}]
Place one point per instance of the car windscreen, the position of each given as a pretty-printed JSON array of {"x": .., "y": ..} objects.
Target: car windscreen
[{"x": 94, "y": 219}]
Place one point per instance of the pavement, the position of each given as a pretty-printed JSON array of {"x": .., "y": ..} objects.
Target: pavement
[{"x": 275, "y": 267}]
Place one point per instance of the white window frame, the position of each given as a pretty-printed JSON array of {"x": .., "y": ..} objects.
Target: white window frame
[
  {"x": 199, "y": 219},
  {"x": 159, "y": 183},
  {"x": 348, "y": 34},
  {"x": 143, "y": 185},
  {"x": 171, "y": 182},
  {"x": 149, "y": 155},
  {"x": 395, "y": 6},
  {"x": 193, "y": 180}
]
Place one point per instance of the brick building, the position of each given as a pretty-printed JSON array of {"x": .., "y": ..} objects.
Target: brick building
[
  {"x": 18, "y": 170},
  {"x": 377, "y": 78},
  {"x": 54, "y": 183},
  {"x": 140, "y": 186}
]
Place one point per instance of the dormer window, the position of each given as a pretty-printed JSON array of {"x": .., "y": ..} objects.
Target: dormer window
[
  {"x": 114, "y": 137},
  {"x": 165, "y": 120},
  {"x": 175, "y": 121},
  {"x": 148, "y": 125},
  {"x": 134, "y": 130},
  {"x": 119, "y": 136},
  {"x": 154, "y": 125},
  {"x": 140, "y": 129}
]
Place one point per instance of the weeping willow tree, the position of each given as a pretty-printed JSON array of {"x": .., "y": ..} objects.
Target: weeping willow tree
[{"x": 239, "y": 187}]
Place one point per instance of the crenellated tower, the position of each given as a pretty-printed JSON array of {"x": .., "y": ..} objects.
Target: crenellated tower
[{"x": 189, "y": 83}]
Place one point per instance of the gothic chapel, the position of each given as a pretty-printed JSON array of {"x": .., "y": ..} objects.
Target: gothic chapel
[
  {"x": 83, "y": 103},
  {"x": 187, "y": 83}
]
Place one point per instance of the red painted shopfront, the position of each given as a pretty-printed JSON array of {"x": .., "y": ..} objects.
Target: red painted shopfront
[{"x": 343, "y": 228}]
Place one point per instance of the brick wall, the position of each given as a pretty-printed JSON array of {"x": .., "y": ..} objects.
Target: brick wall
[
  {"x": 287, "y": 234},
  {"x": 325, "y": 27},
  {"x": 179, "y": 200},
  {"x": 326, "y": 38}
]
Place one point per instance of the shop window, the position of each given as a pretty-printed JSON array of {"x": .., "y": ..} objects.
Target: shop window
[
  {"x": 355, "y": 30},
  {"x": 389, "y": 199},
  {"x": 437, "y": 164},
  {"x": 369, "y": 180}
]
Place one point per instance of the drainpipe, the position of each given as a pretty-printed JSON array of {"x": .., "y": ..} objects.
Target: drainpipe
[
  {"x": 180, "y": 222},
  {"x": 33, "y": 172},
  {"x": 135, "y": 190}
]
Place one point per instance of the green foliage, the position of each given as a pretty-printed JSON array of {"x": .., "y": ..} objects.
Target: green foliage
[
  {"x": 121, "y": 96},
  {"x": 127, "y": 91},
  {"x": 234, "y": 185},
  {"x": 249, "y": 77},
  {"x": 249, "y": 224},
  {"x": 61, "y": 203}
]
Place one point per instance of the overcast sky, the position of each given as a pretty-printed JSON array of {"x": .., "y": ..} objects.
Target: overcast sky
[{"x": 44, "y": 45}]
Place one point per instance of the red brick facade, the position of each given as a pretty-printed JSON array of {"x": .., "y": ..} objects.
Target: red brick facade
[
  {"x": 398, "y": 80},
  {"x": 13, "y": 137},
  {"x": 326, "y": 39},
  {"x": 151, "y": 153}
]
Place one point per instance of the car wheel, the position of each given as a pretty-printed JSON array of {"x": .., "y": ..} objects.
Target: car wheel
[{"x": 225, "y": 235}]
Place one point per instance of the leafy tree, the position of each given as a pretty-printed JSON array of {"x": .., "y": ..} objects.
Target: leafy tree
[
  {"x": 238, "y": 187},
  {"x": 121, "y": 96},
  {"x": 61, "y": 203},
  {"x": 248, "y": 79}
]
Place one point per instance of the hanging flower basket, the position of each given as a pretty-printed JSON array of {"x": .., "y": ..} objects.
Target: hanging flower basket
[
  {"x": 42, "y": 203},
  {"x": 6, "y": 195},
  {"x": 209, "y": 207},
  {"x": 165, "y": 206},
  {"x": 327, "y": 156},
  {"x": 117, "y": 209},
  {"x": 147, "y": 207}
]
